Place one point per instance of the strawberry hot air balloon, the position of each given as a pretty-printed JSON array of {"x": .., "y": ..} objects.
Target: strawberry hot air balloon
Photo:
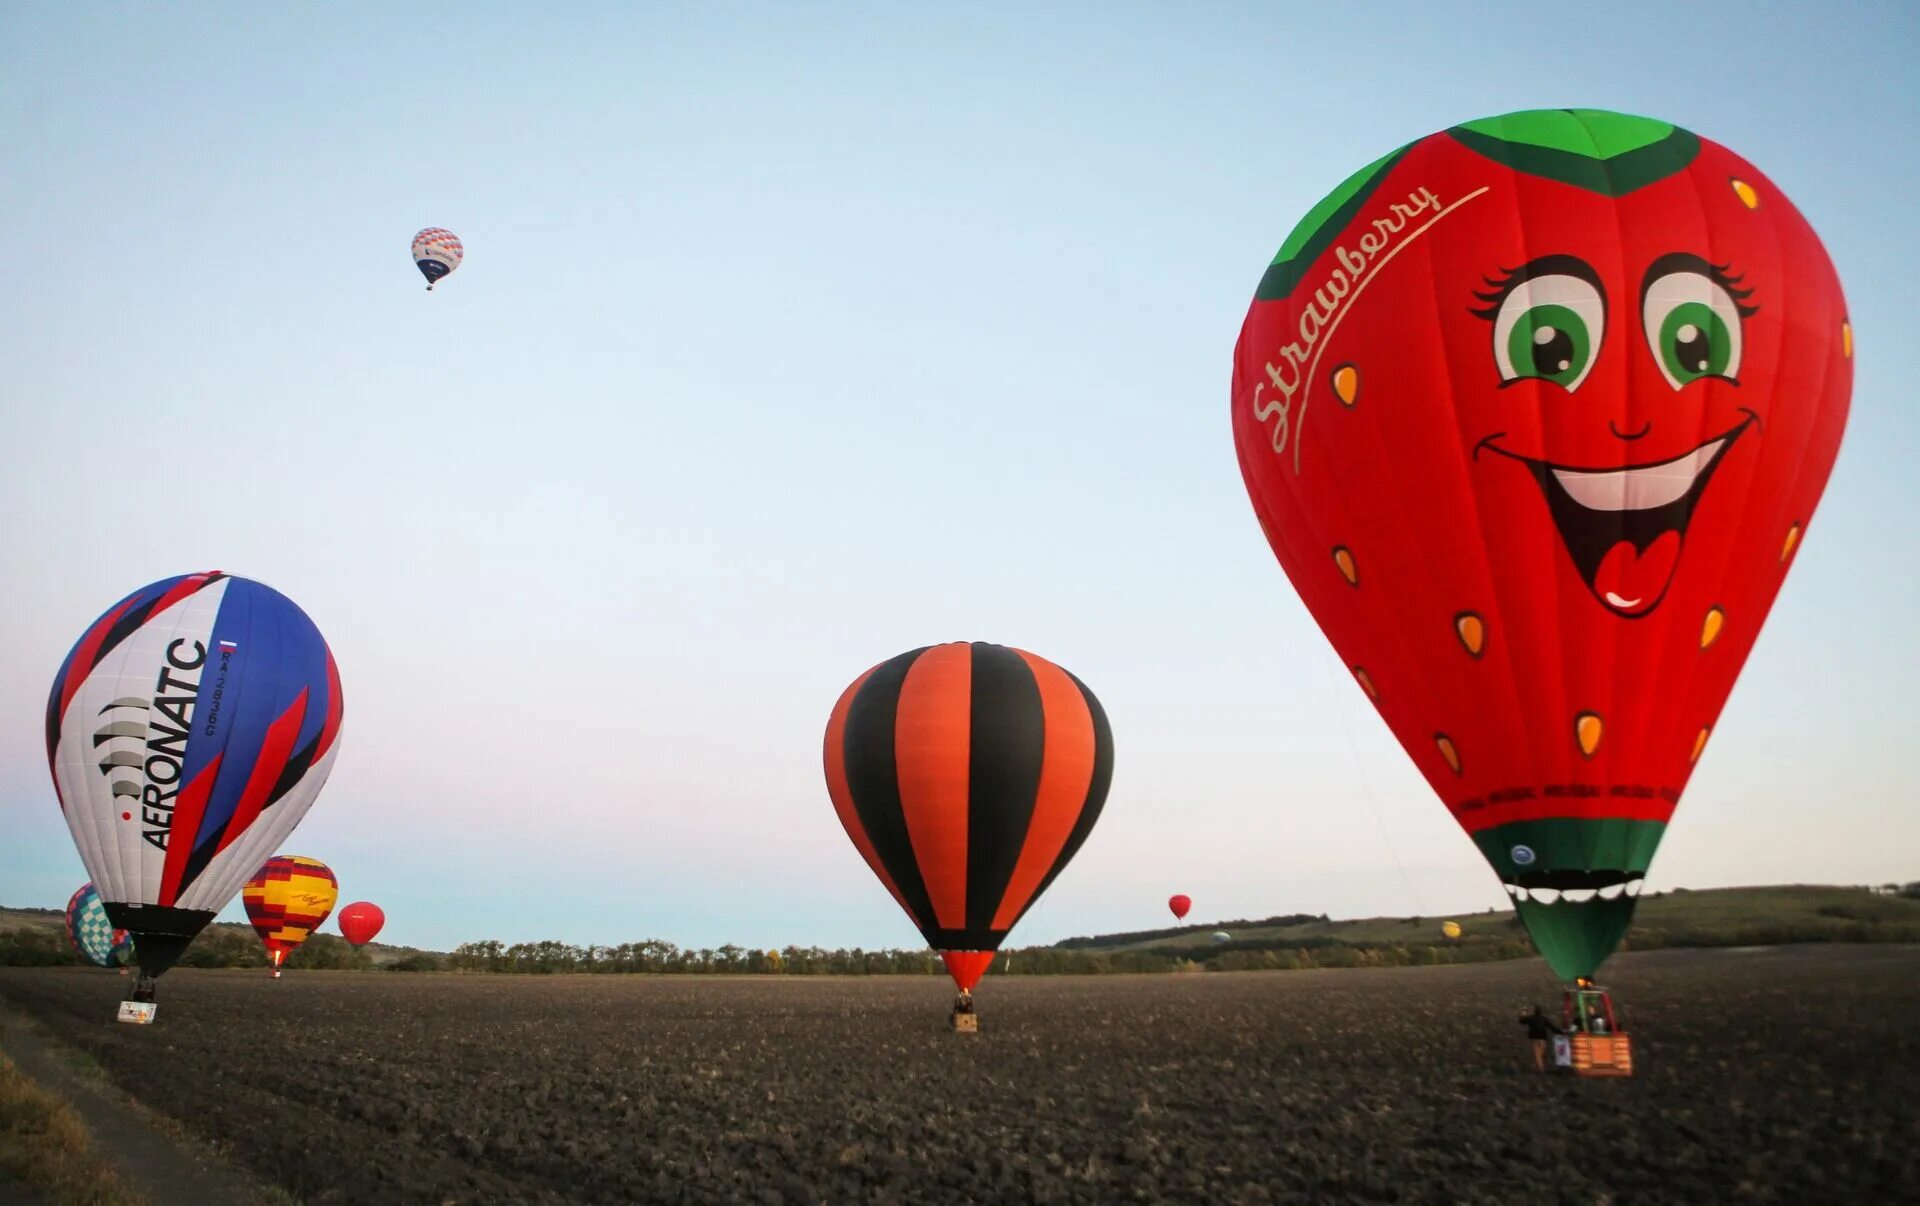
[
  {"x": 360, "y": 922},
  {"x": 1535, "y": 412},
  {"x": 188, "y": 731},
  {"x": 287, "y": 901},
  {"x": 1178, "y": 906},
  {"x": 968, "y": 775}
]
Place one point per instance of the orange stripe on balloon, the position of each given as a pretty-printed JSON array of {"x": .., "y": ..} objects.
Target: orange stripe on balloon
[
  {"x": 835, "y": 756},
  {"x": 1066, "y": 771},
  {"x": 932, "y": 745}
]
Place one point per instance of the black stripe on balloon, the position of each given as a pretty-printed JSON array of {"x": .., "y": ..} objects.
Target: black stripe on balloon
[
  {"x": 1097, "y": 784},
  {"x": 199, "y": 857},
  {"x": 1007, "y": 744},
  {"x": 973, "y": 938},
  {"x": 53, "y": 719},
  {"x": 124, "y": 627},
  {"x": 292, "y": 772},
  {"x": 873, "y": 780}
]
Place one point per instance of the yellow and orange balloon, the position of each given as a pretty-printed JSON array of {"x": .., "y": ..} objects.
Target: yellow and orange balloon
[{"x": 288, "y": 899}]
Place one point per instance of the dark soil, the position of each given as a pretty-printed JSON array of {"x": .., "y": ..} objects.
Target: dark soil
[{"x": 1779, "y": 1075}]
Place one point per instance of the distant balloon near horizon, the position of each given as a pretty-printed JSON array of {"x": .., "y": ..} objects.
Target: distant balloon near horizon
[
  {"x": 188, "y": 731},
  {"x": 360, "y": 922},
  {"x": 967, "y": 776},
  {"x": 1450, "y": 928},
  {"x": 1220, "y": 937},
  {"x": 92, "y": 934},
  {"x": 437, "y": 251},
  {"x": 1535, "y": 412},
  {"x": 1179, "y": 905},
  {"x": 287, "y": 901}
]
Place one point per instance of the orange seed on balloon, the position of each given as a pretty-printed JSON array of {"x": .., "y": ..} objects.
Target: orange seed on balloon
[
  {"x": 1447, "y": 751},
  {"x": 1346, "y": 384},
  {"x": 1366, "y": 684},
  {"x": 1793, "y": 538},
  {"x": 1472, "y": 631},
  {"x": 1711, "y": 626},
  {"x": 1348, "y": 570},
  {"x": 1744, "y": 191},
  {"x": 1846, "y": 340},
  {"x": 1699, "y": 743},
  {"x": 1586, "y": 730}
]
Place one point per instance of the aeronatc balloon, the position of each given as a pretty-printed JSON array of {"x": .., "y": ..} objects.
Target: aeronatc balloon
[
  {"x": 360, "y": 922},
  {"x": 437, "y": 251},
  {"x": 968, "y": 775},
  {"x": 287, "y": 901},
  {"x": 188, "y": 731},
  {"x": 1535, "y": 412},
  {"x": 1179, "y": 906},
  {"x": 92, "y": 934}
]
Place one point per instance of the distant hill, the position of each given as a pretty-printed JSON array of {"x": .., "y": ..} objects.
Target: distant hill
[
  {"x": 1712, "y": 917},
  {"x": 1679, "y": 917}
]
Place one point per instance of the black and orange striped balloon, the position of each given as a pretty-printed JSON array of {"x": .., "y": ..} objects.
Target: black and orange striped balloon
[{"x": 968, "y": 775}]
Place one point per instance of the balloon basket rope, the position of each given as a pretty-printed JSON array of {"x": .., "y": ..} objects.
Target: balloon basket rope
[{"x": 964, "y": 1023}]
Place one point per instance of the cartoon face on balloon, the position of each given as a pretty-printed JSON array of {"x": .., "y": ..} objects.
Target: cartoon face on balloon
[
  {"x": 1534, "y": 412},
  {"x": 1624, "y": 527}
]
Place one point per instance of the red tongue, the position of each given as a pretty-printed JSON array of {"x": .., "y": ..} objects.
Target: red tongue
[{"x": 1631, "y": 583}]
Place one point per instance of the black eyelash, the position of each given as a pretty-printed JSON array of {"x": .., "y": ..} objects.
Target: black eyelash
[
  {"x": 1720, "y": 274},
  {"x": 1724, "y": 276},
  {"x": 1546, "y": 265},
  {"x": 1500, "y": 287}
]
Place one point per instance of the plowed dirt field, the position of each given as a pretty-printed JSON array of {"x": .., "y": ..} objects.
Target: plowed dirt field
[{"x": 1776, "y": 1075}]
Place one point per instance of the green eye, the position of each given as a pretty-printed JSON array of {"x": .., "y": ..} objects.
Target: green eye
[
  {"x": 1550, "y": 341},
  {"x": 1692, "y": 321},
  {"x": 1548, "y": 323},
  {"x": 1694, "y": 342}
]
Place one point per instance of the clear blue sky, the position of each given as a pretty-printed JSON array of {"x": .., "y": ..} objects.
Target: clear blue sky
[{"x": 791, "y": 337}]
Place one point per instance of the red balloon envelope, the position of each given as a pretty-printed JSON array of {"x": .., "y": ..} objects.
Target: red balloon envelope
[
  {"x": 1180, "y": 905},
  {"x": 967, "y": 775},
  {"x": 360, "y": 922},
  {"x": 1534, "y": 412}
]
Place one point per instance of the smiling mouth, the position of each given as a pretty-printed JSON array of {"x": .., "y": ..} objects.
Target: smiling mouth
[{"x": 1624, "y": 527}]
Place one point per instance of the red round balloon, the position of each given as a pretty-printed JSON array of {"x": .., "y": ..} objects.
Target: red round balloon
[
  {"x": 1180, "y": 905},
  {"x": 361, "y": 921}
]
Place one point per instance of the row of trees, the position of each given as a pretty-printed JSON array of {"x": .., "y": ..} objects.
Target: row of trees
[
  {"x": 216, "y": 946},
  {"x": 660, "y": 957}
]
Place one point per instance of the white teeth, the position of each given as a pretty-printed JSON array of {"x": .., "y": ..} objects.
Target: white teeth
[
  {"x": 1612, "y": 891},
  {"x": 1638, "y": 489},
  {"x": 1545, "y": 895},
  {"x": 1577, "y": 895},
  {"x": 1633, "y": 886}
]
